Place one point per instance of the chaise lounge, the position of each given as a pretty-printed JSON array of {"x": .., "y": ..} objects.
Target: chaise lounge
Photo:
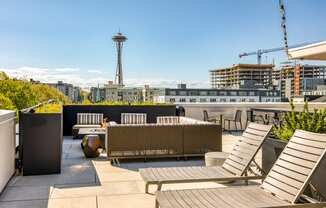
[
  {"x": 236, "y": 167},
  {"x": 283, "y": 187}
]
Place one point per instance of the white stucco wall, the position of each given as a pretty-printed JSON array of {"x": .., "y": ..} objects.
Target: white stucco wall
[{"x": 7, "y": 146}]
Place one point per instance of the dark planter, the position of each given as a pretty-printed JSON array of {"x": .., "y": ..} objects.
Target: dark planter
[
  {"x": 41, "y": 139},
  {"x": 272, "y": 149},
  {"x": 113, "y": 113}
]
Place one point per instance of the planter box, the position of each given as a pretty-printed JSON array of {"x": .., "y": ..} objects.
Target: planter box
[
  {"x": 7, "y": 147},
  {"x": 272, "y": 148},
  {"x": 41, "y": 139}
]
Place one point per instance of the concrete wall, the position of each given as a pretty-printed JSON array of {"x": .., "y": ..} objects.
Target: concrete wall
[
  {"x": 7, "y": 146},
  {"x": 195, "y": 110}
]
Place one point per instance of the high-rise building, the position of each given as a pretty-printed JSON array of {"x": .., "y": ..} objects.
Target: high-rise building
[
  {"x": 242, "y": 76},
  {"x": 297, "y": 80}
]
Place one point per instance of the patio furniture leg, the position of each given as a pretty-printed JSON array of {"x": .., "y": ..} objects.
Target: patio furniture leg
[
  {"x": 229, "y": 125},
  {"x": 159, "y": 186},
  {"x": 146, "y": 188},
  {"x": 240, "y": 125},
  {"x": 235, "y": 124},
  {"x": 156, "y": 204}
]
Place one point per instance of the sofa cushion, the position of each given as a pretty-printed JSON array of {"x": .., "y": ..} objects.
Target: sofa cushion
[
  {"x": 168, "y": 120},
  {"x": 133, "y": 118},
  {"x": 89, "y": 118},
  {"x": 79, "y": 126}
]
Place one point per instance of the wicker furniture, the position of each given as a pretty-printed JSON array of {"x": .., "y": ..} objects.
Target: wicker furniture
[
  {"x": 283, "y": 186},
  {"x": 236, "y": 166},
  {"x": 87, "y": 120},
  {"x": 187, "y": 138}
]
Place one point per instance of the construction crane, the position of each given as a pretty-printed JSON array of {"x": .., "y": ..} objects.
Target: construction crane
[{"x": 260, "y": 52}]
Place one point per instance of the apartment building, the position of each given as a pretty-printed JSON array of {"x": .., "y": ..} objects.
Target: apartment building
[
  {"x": 242, "y": 76},
  {"x": 72, "y": 92},
  {"x": 184, "y": 95},
  {"x": 297, "y": 80},
  {"x": 113, "y": 92}
]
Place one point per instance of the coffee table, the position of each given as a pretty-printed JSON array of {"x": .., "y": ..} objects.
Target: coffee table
[{"x": 101, "y": 132}]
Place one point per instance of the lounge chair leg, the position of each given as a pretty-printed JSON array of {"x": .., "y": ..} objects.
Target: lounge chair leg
[
  {"x": 156, "y": 204},
  {"x": 146, "y": 188},
  {"x": 159, "y": 187}
]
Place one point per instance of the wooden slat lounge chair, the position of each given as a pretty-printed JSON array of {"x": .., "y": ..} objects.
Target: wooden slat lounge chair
[
  {"x": 283, "y": 186},
  {"x": 235, "y": 167}
]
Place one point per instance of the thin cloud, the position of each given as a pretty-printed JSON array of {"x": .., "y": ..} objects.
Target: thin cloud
[{"x": 85, "y": 79}]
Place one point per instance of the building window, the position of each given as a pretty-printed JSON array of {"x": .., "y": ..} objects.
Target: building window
[
  {"x": 242, "y": 99},
  {"x": 223, "y": 93},
  {"x": 212, "y": 100},
  {"x": 172, "y": 93},
  {"x": 251, "y": 100},
  {"x": 193, "y": 93},
  {"x": 172, "y": 100},
  {"x": 203, "y": 100},
  {"x": 223, "y": 100},
  {"x": 183, "y": 93},
  {"x": 182, "y": 100},
  {"x": 203, "y": 93},
  {"x": 251, "y": 93},
  {"x": 192, "y": 100},
  {"x": 242, "y": 93},
  {"x": 233, "y": 93},
  {"x": 212, "y": 93},
  {"x": 233, "y": 100}
]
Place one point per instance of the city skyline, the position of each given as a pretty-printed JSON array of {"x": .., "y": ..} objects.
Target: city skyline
[{"x": 181, "y": 41}]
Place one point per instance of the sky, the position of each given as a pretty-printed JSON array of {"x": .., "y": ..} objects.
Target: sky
[{"x": 169, "y": 41}]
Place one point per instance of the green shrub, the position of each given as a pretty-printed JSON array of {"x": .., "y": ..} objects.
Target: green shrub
[
  {"x": 5, "y": 103},
  {"x": 49, "y": 108},
  {"x": 305, "y": 120}
]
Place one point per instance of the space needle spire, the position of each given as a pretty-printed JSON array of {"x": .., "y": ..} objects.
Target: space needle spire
[{"x": 119, "y": 39}]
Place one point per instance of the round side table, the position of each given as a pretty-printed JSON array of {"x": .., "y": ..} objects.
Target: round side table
[{"x": 215, "y": 158}]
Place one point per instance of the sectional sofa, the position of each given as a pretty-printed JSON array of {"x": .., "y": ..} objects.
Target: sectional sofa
[{"x": 169, "y": 137}]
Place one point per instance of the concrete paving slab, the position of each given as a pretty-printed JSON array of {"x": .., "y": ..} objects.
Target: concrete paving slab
[{"x": 126, "y": 201}]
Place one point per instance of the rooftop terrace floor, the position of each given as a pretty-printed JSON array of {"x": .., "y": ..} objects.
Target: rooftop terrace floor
[{"x": 94, "y": 183}]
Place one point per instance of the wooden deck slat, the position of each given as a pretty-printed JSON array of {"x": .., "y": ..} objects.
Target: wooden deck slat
[
  {"x": 290, "y": 173},
  {"x": 311, "y": 136},
  {"x": 250, "y": 141},
  {"x": 285, "y": 179},
  {"x": 310, "y": 143},
  {"x": 302, "y": 155},
  {"x": 305, "y": 149},
  {"x": 232, "y": 169},
  {"x": 282, "y": 194},
  {"x": 295, "y": 160},
  {"x": 255, "y": 132}
]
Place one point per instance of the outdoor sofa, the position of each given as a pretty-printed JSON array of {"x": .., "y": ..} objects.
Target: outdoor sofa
[
  {"x": 87, "y": 120},
  {"x": 167, "y": 138}
]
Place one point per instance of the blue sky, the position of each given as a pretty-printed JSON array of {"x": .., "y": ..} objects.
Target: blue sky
[{"x": 169, "y": 41}]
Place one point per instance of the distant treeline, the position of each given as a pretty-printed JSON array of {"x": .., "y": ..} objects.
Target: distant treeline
[{"x": 20, "y": 94}]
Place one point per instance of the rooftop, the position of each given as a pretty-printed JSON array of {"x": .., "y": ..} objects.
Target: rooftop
[{"x": 93, "y": 183}]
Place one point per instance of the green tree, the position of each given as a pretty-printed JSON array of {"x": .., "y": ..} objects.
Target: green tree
[{"x": 5, "y": 103}]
